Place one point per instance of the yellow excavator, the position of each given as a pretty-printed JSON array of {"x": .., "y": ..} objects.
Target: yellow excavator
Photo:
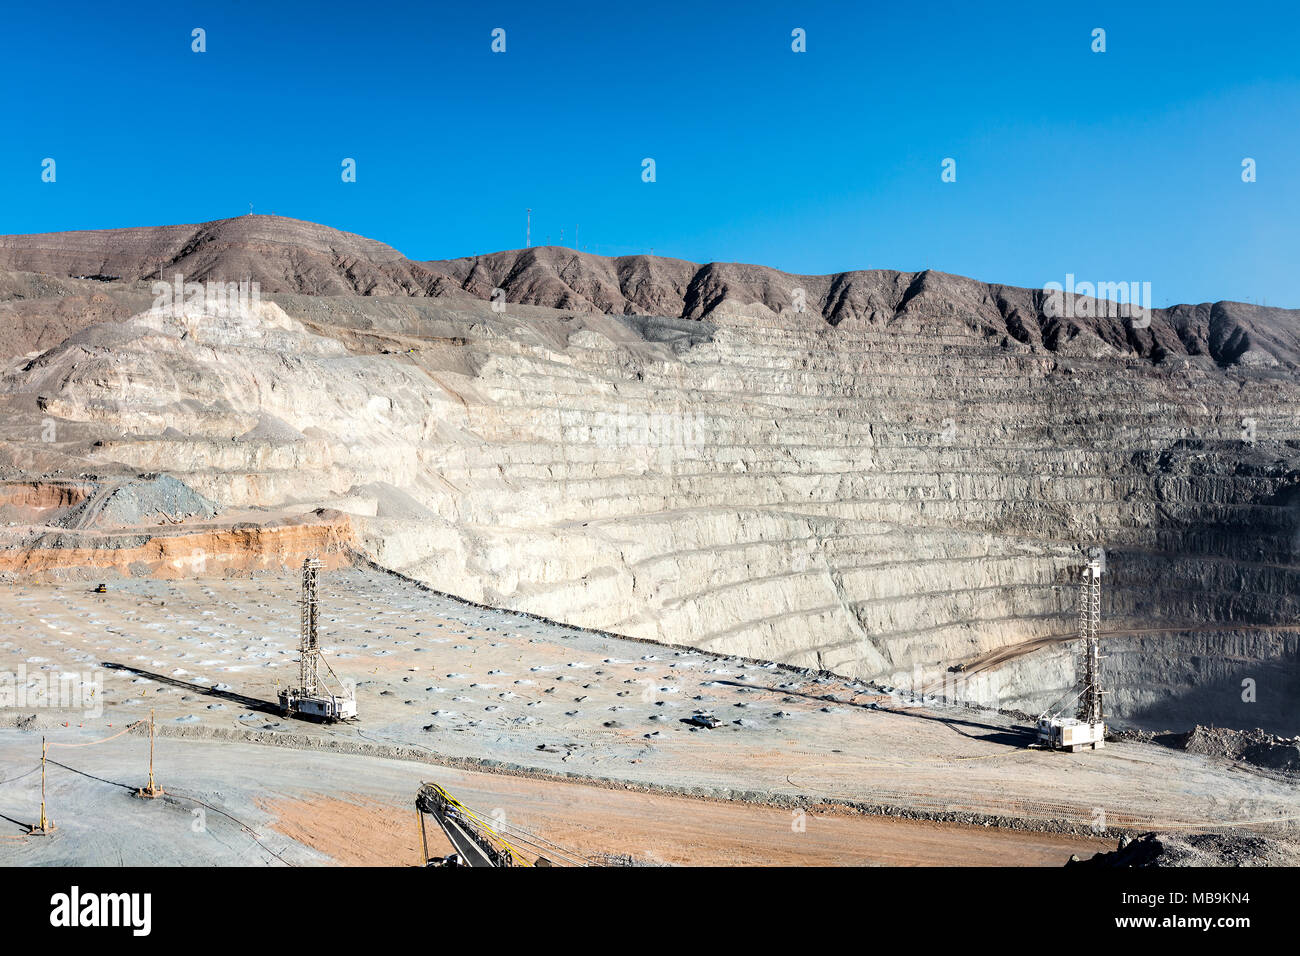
[{"x": 478, "y": 840}]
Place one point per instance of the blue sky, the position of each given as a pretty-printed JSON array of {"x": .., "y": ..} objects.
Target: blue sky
[{"x": 1115, "y": 166}]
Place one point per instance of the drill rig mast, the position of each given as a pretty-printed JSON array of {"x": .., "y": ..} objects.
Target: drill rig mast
[
  {"x": 309, "y": 698},
  {"x": 1087, "y": 729}
]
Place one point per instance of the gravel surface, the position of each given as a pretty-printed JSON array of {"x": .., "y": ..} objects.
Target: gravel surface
[{"x": 442, "y": 680}]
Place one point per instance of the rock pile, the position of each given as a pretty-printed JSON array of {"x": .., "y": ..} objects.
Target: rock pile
[
  {"x": 1253, "y": 746},
  {"x": 1195, "y": 849}
]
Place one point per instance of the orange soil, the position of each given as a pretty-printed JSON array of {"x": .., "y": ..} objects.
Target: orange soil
[
  {"x": 365, "y": 831},
  {"x": 194, "y": 554}
]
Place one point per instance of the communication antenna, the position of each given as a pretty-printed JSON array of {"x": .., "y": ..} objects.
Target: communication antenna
[{"x": 528, "y": 231}]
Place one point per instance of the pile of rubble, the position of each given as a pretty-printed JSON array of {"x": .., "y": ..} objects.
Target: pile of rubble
[
  {"x": 149, "y": 499},
  {"x": 1195, "y": 849},
  {"x": 1252, "y": 746}
]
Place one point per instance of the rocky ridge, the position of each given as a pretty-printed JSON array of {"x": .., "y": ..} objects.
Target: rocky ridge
[{"x": 291, "y": 256}]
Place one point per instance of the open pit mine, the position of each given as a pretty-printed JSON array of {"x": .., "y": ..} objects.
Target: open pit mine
[{"x": 594, "y": 540}]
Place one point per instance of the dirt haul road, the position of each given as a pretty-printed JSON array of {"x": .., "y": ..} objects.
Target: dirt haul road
[{"x": 244, "y": 804}]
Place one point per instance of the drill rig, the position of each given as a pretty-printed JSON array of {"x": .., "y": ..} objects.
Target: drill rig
[
  {"x": 1087, "y": 729},
  {"x": 309, "y": 698}
]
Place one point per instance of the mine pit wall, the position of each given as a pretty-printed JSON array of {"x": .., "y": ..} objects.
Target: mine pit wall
[
  {"x": 244, "y": 474},
  {"x": 1241, "y": 616},
  {"x": 79, "y": 556},
  {"x": 1239, "y": 639},
  {"x": 28, "y": 500},
  {"x": 1173, "y": 681},
  {"x": 815, "y": 515},
  {"x": 1169, "y": 682},
  {"x": 780, "y": 490}
]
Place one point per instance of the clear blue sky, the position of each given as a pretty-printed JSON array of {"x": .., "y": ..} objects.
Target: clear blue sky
[{"x": 1124, "y": 165}]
